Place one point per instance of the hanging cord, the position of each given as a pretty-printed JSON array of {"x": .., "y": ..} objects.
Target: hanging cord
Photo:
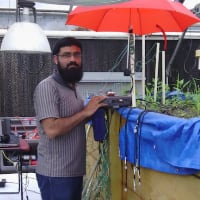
[
  {"x": 108, "y": 120},
  {"x": 186, "y": 59},
  {"x": 137, "y": 136},
  {"x": 123, "y": 163},
  {"x": 96, "y": 186},
  {"x": 122, "y": 166},
  {"x": 119, "y": 59},
  {"x": 125, "y": 144},
  {"x": 14, "y": 162},
  {"x": 26, "y": 186},
  {"x": 196, "y": 176},
  {"x": 28, "y": 180},
  {"x": 7, "y": 158},
  {"x": 115, "y": 65},
  {"x": 131, "y": 89}
]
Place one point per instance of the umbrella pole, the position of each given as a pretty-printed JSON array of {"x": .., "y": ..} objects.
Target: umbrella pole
[
  {"x": 128, "y": 53},
  {"x": 132, "y": 64}
]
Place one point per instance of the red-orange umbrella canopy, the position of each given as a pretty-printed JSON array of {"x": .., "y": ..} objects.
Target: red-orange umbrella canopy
[
  {"x": 142, "y": 16},
  {"x": 135, "y": 16}
]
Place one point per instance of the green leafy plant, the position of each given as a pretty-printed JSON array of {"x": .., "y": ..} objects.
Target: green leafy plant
[{"x": 184, "y": 101}]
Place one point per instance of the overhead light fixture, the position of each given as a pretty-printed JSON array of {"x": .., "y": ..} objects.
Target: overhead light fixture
[{"x": 25, "y": 36}]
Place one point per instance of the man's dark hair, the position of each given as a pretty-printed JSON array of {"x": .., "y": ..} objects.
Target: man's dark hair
[{"x": 66, "y": 42}]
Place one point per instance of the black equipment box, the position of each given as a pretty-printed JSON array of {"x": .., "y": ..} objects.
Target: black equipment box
[{"x": 118, "y": 101}]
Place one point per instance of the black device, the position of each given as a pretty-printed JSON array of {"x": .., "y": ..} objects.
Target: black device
[
  {"x": 4, "y": 138},
  {"x": 118, "y": 101},
  {"x": 4, "y": 126},
  {"x": 7, "y": 138},
  {"x": 99, "y": 125},
  {"x": 3, "y": 182}
]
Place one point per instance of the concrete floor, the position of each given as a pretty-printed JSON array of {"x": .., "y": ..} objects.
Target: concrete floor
[{"x": 30, "y": 188}]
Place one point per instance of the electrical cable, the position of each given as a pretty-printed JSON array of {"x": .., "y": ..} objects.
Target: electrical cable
[
  {"x": 97, "y": 185},
  {"x": 187, "y": 57},
  {"x": 119, "y": 59},
  {"x": 7, "y": 158},
  {"x": 115, "y": 65},
  {"x": 125, "y": 145},
  {"x": 137, "y": 134},
  {"x": 130, "y": 91},
  {"x": 196, "y": 176},
  {"x": 122, "y": 166},
  {"x": 26, "y": 186}
]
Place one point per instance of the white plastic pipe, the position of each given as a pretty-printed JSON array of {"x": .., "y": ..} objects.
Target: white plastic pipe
[
  {"x": 156, "y": 72},
  {"x": 163, "y": 77},
  {"x": 143, "y": 67}
]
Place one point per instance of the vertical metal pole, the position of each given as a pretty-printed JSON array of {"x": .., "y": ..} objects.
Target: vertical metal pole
[
  {"x": 17, "y": 11},
  {"x": 132, "y": 63},
  {"x": 128, "y": 53}
]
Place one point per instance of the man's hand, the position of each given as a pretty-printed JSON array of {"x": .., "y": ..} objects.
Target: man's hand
[
  {"x": 54, "y": 127},
  {"x": 94, "y": 104}
]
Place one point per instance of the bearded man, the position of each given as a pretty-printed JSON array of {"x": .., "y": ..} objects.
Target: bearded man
[{"x": 61, "y": 117}]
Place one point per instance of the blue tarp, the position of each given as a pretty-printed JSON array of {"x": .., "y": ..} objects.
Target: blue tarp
[{"x": 160, "y": 142}]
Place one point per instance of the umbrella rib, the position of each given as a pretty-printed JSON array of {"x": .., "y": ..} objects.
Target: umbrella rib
[
  {"x": 172, "y": 13},
  {"x": 130, "y": 28},
  {"x": 102, "y": 19},
  {"x": 139, "y": 19}
]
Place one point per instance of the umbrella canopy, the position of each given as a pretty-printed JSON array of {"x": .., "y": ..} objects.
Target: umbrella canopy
[{"x": 142, "y": 16}]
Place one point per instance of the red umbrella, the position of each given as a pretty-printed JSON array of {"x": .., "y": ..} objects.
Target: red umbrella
[
  {"x": 143, "y": 16},
  {"x": 135, "y": 16}
]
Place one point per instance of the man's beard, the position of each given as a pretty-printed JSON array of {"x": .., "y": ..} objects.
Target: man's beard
[{"x": 71, "y": 75}]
